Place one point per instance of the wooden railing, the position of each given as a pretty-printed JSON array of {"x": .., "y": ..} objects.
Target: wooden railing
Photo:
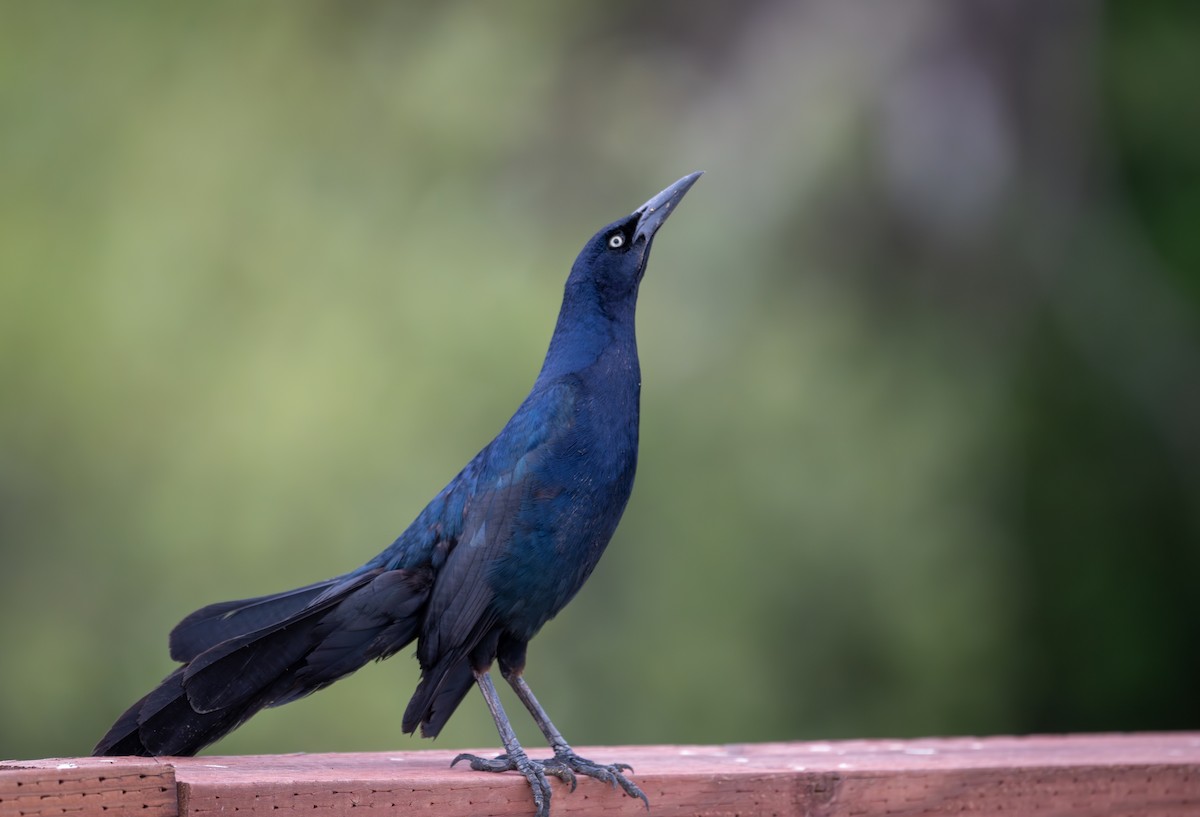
[{"x": 1146, "y": 775}]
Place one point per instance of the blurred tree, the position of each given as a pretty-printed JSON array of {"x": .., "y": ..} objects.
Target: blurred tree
[{"x": 922, "y": 365}]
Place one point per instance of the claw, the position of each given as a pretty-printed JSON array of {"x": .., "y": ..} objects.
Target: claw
[
  {"x": 564, "y": 765},
  {"x": 500, "y": 763},
  {"x": 560, "y": 770},
  {"x": 534, "y": 771},
  {"x": 610, "y": 773}
]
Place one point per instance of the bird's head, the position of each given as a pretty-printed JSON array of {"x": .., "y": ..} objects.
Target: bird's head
[{"x": 614, "y": 259}]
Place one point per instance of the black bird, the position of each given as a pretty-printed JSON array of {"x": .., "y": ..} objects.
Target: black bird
[{"x": 491, "y": 559}]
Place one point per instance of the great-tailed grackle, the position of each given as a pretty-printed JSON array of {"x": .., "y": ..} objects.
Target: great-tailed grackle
[{"x": 491, "y": 559}]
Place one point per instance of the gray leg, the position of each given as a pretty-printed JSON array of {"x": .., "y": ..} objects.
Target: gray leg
[
  {"x": 564, "y": 756},
  {"x": 514, "y": 757}
]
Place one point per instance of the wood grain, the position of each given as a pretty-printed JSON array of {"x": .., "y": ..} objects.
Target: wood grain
[
  {"x": 86, "y": 787},
  {"x": 1148, "y": 775}
]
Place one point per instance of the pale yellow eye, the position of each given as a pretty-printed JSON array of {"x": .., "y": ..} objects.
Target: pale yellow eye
[{"x": 616, "y": 241}]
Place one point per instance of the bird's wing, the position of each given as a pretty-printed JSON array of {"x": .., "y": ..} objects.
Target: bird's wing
[{"x": 498, "y": 482}]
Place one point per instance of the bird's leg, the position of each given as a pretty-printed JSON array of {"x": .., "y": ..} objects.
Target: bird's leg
[
  {"x": 514, "y": 757},
  {"x": 564, "y": 756}
]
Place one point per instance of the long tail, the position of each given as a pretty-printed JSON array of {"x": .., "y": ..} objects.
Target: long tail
[{"x": 242, "y": 656}]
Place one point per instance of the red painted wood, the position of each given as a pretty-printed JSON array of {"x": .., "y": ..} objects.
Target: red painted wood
[
  {"x": 49, "y": 788},
  {"x": 1147, "y": 775}
]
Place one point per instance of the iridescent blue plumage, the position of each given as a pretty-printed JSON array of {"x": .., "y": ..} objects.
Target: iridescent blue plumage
[{"x": 497, "y": 553}]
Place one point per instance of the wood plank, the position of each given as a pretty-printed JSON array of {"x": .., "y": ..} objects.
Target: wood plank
[
  {"x": 1148, "y": 775},
  {"x": 1083, "y": 775},
  {"x": 86, "y": 787}
]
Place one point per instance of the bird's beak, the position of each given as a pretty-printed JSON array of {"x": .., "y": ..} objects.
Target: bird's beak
[{"x": 654, "y": 212}]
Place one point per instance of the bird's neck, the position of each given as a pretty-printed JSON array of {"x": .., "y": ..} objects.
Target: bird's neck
[{"x": 590, "y": 329}]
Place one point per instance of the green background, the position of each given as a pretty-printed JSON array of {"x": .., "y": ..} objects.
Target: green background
[{"x": 921, "y": 351}]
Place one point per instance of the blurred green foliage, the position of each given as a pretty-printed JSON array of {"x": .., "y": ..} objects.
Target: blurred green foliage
[{"x": 921, "y": 416}]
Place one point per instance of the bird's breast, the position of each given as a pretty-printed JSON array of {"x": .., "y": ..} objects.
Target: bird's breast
[{"x": 574, "y": 501}]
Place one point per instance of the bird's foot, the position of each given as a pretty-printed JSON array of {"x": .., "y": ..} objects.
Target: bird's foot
[
  {"x": 535, "y": 772},
  {"x": 571, "y": 764},
  {"x": 564, "y": 765}
]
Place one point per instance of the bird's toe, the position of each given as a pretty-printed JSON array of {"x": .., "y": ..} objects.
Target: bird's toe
[
  {"x": 534, "y": 771},
  {"x": 612, "y": 773}
]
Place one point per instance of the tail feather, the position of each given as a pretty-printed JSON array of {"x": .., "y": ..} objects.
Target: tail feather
[
  {"x": 448, "y": 678},
  {"x": 369, "y": 617},
  {"x": 433, "y": 704},
  {"x": 385, "y": 615},
  {"x": 164, "y": 723},
  {"x": 239, "y": 668},
  {"x": 209, "y": 626}
]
